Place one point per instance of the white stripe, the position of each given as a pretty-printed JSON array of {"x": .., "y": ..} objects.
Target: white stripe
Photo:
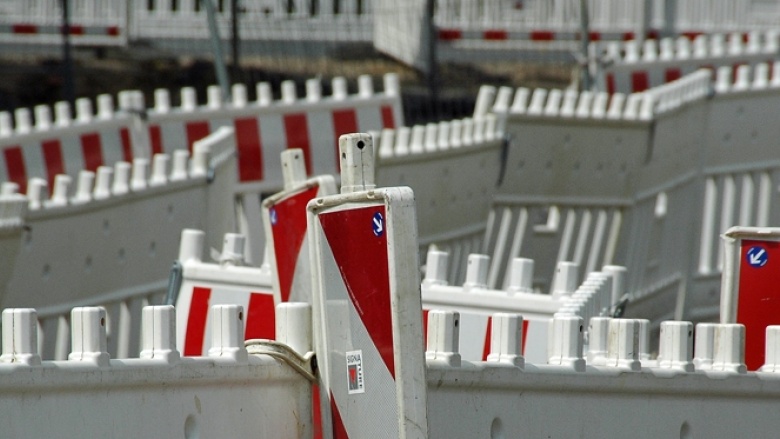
[
  {"x": 274, "y": 142},
  {"x": 321, "y": 140}
]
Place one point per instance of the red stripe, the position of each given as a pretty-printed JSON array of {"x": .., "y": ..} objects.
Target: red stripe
[
  {"x": 127, "y": 145},
  {"x": 52, "y": 156},
  {"x": 388, "y": 119},
  {"x": 594, "y": 36},
  {"x": 250, "y": 149},
  {"x": 525, "y": 336},
  {"x": 260, "y": 317},
  {"x": 691, "y": 35},
  {"x": 316, "y": 411},
  {"x": 196, "y": 130},
  {"x": 639, "y": 81},
  {"x": 450, "y": 34},
  {"x": 25, "y": 29},
  {"x": 14, "y": 165},
  {"x": 610, "y": 83},
  {"x": 486, "y": 346},
  {"x": 425, "y": 327},
  {"x": 75, "y": 29},
  {"x": 112, "y": 31},
  {"x": 652, "y": 34},
  {"x": 196, "y": 321},
  {"x": 92, "y": 151},
  {"x": 495, "y": 35},
  {"x": 297, "y": 131},
  {"x": 627, "y": 36},
  {"x": 672, "y": 74},
  {"x": 542, "y": 35},
  {"x": 344, "y": 122},
  {"x": 339, "y": 432},
  {"x": 155, "y": 136},
  {"x": 758, "y": 302}
]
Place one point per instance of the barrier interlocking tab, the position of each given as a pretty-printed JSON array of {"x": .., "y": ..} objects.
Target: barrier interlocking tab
[{"x": 367, "y": 303}]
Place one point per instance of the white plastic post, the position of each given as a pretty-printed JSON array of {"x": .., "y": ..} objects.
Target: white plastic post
[
  {"x": 402, "y": 141},
  {"x": 676, "y": 346},
  {"x": 456, "y": 129},
  {"x": 213, "y": 97},
  {"x": 42, "y": 117},
  {"x": 125, "y": 100},
  {"x": 623, "y": 344},
  {"x": 189, "y": 100},
  {"x": 772, "y": 352},
  {"x": 121, "y": 183},
  {"x": 615, "y": 111},
  {"x": 565, "y": 280},
  {"x": 22, "y": 121},
  {"x": 289, "y": 94},
  {"x": 520, "y": 102},
  {"x": 585, "y": 105},
  {"x": 140, "y": 171},
  {"x": 105, "y": 106},
  {"x": 8, "y": 188},
  {"x": 443, "y": 337},
  {"x": 293, "y": 167},
  {"x": 553, "y": 106},
  {"x": 761, "y": 77},
  {"x": 649, "y": 50},
  {"x": 264, "y": 94},
  {"x": 6, "y": 126},
  {"x": 339, "y": 86},
  {"x": 632, "y": 52},
  {"x": 181, "y": 159},
  {"x": 569, "y": 105},
  {"x": 158, "y": 333},
  {"x": 62, "y": 114},
  {"x": 386, "y": 142},
  {"x": 443, "y": 140},
  {"x": 723, "y": 79},
  {"x": 294, "y": 326},
  {"x": 392, "y": 84},
  {"x": 485, "y": 99},
  {"x": 521, "y": 276},
  {"x": 239, "y": 96},
  {"x": 477, "y": 269},
  {"x": 537, "y": 102},
  {"x": 667, "y": 49},
  {"x": 436, "y": 267},
  {"x": 227, "y": 333},
  {"x": 418, "y": 137},
  {"x": 431, "y": 137},
  {"x": 600, "y": 105},
  {"x": 232, "y": 249},
  {"x": 20, "y": 337},
  {"x": 357, "y": 162},
  {"x": 598, "y": 332},
  {"x": 59, "y": 194},
  {"x": 365, "y": 86},
  {"x": 743, "y": 78},
  {"x": 506, "y": 338},
  {"x": 729, "y": 348},
  {"x": 644, "y": 339},
  {"x": 83, "y": 110},
  {"x": 683, "y": 46},
  {"x": 88, "y": 335},
  {"x": 566, "y": 342},
  {"x": 84, "y": 187},
  {"x": 191, "y": 245},
  {"x": 467, "y": 132},
  {"x": 313, "y": 90},
  {"x": 103, "y": 183},
  {"x": 162, "y": 101},
  {"x": 37, "y": 191},
  {"x": 704, "y": 346},
  {"x": 479, "y": 129},
  {"x": 618, "y": 274},
  {"x": 159, "y": 170}
]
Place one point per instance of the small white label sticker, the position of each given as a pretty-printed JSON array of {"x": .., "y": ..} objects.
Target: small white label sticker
[{"x": 355, "y": 383}]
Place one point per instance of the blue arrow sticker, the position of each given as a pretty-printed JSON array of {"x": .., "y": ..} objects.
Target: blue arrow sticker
[
  {"x": 378, "y": 224},
  {"x": 272, "y": 215},
  {"x": 757, "y": 256}
]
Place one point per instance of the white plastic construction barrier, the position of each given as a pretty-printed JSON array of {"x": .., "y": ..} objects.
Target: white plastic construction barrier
[
  {"x": 204, "y": 285},
  {"x": 284, "y": 217},
  {"x": 636, "y": 66},
  {"x": 366, "y": 304},
  {"x": 90, "y": 394},
  {"x": 749, "y": 294}
]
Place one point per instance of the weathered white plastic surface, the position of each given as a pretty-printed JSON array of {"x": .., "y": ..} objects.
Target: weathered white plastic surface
[
  {"x": 284, "y": 216},
  {"x": 367, "y": 304}
]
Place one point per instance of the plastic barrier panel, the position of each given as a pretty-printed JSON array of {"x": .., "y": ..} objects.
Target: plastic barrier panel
[
  {"x": 750, "y": 292},
  {"x": 367, "y": 304},
  {"x": 205, "y": 285},
  {"x": 285, "y": 226}
]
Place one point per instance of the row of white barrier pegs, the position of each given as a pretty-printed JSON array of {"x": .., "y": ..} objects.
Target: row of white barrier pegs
[
  {"x": 761, "y": 77},
  {"x": 702, "y": 47},
  {"x": 612, "y": 343},
  {"x": 435, "y": 137},
  {"x": 694, "y": 86},
  {"x": 108, "y": 181},
  {"x": 158, "y": 334},
  {"x": 477, "y": 271},
  {"x": 25, "y": 121}
]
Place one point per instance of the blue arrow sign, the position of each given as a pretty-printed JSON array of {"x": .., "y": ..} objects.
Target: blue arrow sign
[
  {"x": 378, "y": 224},
  {"x": 272, "y": 215},
  {"x": 757, "y": 256}
]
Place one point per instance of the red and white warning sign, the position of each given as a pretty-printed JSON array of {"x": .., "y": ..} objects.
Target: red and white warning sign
[
  {"x": 285, "y": 226},
  {"x": 750, "y": 292},
  {"x": 367, "y": 304}
]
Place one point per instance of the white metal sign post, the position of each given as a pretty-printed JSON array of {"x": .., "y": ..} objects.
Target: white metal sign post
[{"x": 367, "y": 304}]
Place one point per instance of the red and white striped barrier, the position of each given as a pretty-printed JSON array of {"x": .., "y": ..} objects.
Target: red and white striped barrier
[
  {"x": 366, "y": 305},
  {"x": 227, "y": 282},
  {"x": 284, "y": 217}
]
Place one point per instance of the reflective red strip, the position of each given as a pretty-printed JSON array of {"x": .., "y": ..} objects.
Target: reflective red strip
[
  {"x": 542, "y": 35},
  {"x": 344, "y": 122},
  {"x": 92, "y": 151},
  {"x": 388, "y": 119},
  {"x": 112, "y": 31},
  {"x": 486, "y": 346},
  {"x": 297, "y": 131},
  {"x": 339, "y": 431},
  {"x": 425, "y": 326},
  {"x": 639, "y": 81},
  {"x": 450, "y": 34},
  {"x": 691, "y": 35},
  {"x": 127, "y": 145},
  {"x": 196, "y": 321},
  {"x": 25, "y": 29},
  {"x": 594, "y": 36},
  {"x": 196, "y": 131},
  {"x": 260, "y": 317},
  {"x": 155, "y": 137},
  {"x": 525, "y": 335},
  {"x": 250, "y": 149},
  {"x": 672, "y": 74},
  {"x": 495, "y": 35},
  {"x": 14, "y": 164},
  {"x": 610, "y": 83},
  {"x": 627, "y": 36},
  {"x": 52, "y": 156},
  {"x": 75, "y": 30}
]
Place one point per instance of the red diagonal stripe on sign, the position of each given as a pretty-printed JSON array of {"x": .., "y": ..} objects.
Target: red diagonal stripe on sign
[
  {"x": 52, "y": 156},
  {"x": 260, "y": 317},
  {"x": 361, "y": 257},
  {"x": 388, "y": 119},
  {"x": 250, "y": 149},
  {"x": 92, "y": 151},
  {"x": 525, "y": 336},
  {"x": 195, "y": 131},
  {"x": 288, "y": 227},
  {"x": 639, "y": 81},
  {"x": 486, "y": 346},
  {"x": 296, "y": 130},
  {"x": 196, "y": 321},
  {"x": 14, "y": 165},
  {"x": 127, "y": 145},
  {"x": 344, "y": 122},
  {"x": 155, "y": 138}
]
